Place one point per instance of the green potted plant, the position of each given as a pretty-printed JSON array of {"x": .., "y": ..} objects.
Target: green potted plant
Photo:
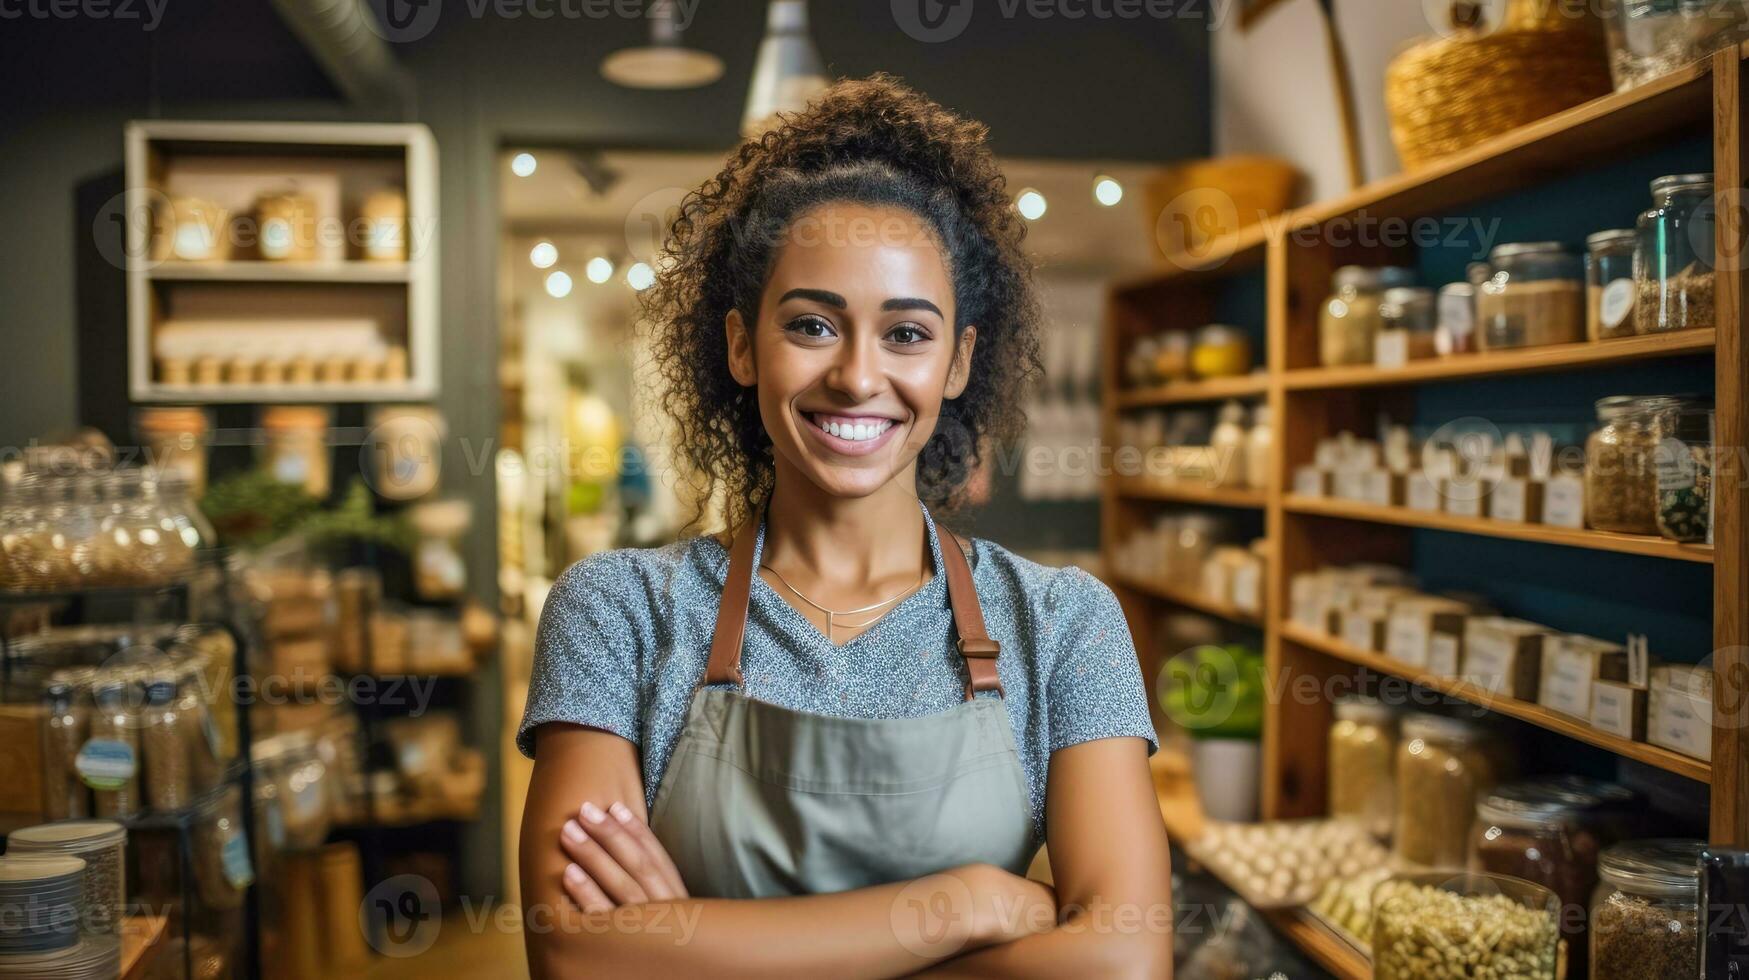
[{"x": 1216, "y": 695}]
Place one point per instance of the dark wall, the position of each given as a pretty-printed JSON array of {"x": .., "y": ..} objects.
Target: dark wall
[{"x": 1048, "y": 87}]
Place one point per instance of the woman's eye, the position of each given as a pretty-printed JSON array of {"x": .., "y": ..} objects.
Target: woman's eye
[
  {"x": 810, "y": 326},
  {"x": 905, "y": 333}
]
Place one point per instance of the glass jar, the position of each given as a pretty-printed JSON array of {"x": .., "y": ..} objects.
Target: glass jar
[
  {"x": 1645, "y": 911},
  {"x": 1683, "y": 462},
  {"x": 170, "y": 538},
  {"x": 185, "y": 519},
  {"x": 1649, "y": 38},
  {"x": 1673, "y": 271},
  {"x": 20, "y": 529},
  {"x": 1443, "y": 766},
  {"x": 1609, "y": 284},
  {"x": 65, "y": 726},
  {"x": 102, "y": 845},
  {"x": 1534, "y": 297},
  {"x": 1456, "y": 333},
  {"x": 1348, "y": 323},
  {"x": 1220, "y": 351},
  {"x": 175, "y": 441},
  {"x": 1407, "y": 317},
  {"x": 1259, "y": 448},
  {"x": 439, "y": 572},
  {"x": 1621, "y": 480},
  {"x": 1227, "y": 442},
  {"x": 1192, "y": 541},
  {"x": 1363, "y": 760},
  {"x": 296, "y": 450},
  {"x": 1463, "y": 924},
  {"x": 109, "y": 761},
  {"x": 1550, "y": 831},
  {"x": 164, "y": 744},
  {"x": 406, "y": 441},
  {"x": 223, "y": 866}
]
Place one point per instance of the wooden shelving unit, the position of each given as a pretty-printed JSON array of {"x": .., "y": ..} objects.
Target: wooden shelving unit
[
  {"x": 1705, "y": 104},
  {"x": 1186, "y": 392},
  {"x": 1188, "y": 599}
]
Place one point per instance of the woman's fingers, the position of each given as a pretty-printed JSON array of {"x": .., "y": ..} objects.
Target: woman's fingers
[
  {"x": 641, "y": 832},
  {"x": 622, "y": 840},
  {"x": 584, "y": 891},
  {"x": 588, "y": 851}
]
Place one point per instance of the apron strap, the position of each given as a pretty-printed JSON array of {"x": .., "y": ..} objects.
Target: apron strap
[{"x": 975, "y": 646}]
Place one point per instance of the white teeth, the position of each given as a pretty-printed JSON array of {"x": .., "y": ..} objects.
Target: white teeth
[{"x": 859, "y": 432}]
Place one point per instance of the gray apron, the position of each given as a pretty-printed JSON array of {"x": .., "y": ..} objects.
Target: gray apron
[{"x": 760, "y": 800}]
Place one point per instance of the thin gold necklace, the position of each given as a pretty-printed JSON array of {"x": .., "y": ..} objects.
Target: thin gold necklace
[{"x": 844, "y": 612}]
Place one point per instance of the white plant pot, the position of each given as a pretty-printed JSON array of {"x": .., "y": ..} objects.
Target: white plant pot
[{"x": 1226, "y": 771}]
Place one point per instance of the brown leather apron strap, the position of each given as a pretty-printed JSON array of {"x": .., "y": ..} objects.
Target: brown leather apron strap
[{"x": 976, "y": 647}]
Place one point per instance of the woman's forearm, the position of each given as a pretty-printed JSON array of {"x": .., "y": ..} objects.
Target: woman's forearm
[
  {"x": 882, "y": 931},
  {"x": 1081, "y": 946}
]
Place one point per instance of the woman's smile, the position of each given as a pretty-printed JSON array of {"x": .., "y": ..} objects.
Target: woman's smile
[{"x": 850, "y": 434}]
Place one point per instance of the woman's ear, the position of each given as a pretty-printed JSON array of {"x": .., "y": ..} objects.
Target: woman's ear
[
  {"x": 740, "y": 342},
  {"x": 960, "y": 371}
]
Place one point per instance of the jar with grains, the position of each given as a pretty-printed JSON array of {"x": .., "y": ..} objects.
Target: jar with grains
[
  {"x": 1443, "y": 766},
  {"x": 1609, "y": 284},
  {"x": 194, "y": 715},
  {"x": 1621, "y": 479},
  {"x": 1455, "y": 925},
  {"x": 66, "y": 724},
  {"x": 1348, "y": 323},
  {"x": 109, "y": 761},
  {"x": 102, "y": 845},
  {"x": 175, "y": 441},
  {"x": 223, "y": 866},
  {"x": 406, "y": 444},
  {"x": 1408, "y": 311},
  {"x": 1550, "y": 830},
  {"x": 20, "y": 522},
  {"x": 1673, "y": 274},
  {"x": 164, "y": 743},
  {"x": 1363, "y": 762},
  {"x": 1646, "y": 910},
  {"x": 1649, "y": 38},
  {"x": 1684, "y": 466},
  {"x": 1535, "y": 297},
  {"x": 296, "y": 449}
]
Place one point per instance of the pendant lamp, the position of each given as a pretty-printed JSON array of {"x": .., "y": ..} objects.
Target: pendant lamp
[
  {"x": 788, "y": 71},
  {"x": 664, "y": 63}
]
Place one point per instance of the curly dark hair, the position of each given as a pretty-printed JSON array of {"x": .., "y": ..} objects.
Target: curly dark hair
[{"x": 867, "y": 141}]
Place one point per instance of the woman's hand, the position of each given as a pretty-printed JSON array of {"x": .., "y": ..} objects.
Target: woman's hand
[{"x": 616, "y": 860}]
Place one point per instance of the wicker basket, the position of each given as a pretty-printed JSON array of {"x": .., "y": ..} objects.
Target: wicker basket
[
  {"x": 1447, "y": 94},
  {"x": 1188, "y": 204}
]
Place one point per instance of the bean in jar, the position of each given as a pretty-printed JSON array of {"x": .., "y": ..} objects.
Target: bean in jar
[
  {"x": 1348, "y": 323},
  {"x": 1621, "y": 481},
  {"x": 1450, "y": 925},
  {"x": 1684, "y": 464},
  {"x": 66, "y": 722},
  {"x": 1675, "y": 260},
  {"x": 1443, "y": 766},
  {"x": 1363, "y": 759},
  {"x": 1609, "y": 284},
  {"x": 1646, "y": 911},
  {"x": 1535, "y": 297},
  {"x": 109, "y": 762}
]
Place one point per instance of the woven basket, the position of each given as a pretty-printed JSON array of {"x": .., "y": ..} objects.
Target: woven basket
[{"x": 1447, "y": 94}]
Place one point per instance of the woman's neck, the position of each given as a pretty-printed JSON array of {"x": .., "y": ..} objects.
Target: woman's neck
[{"x": 846, "y": 546}]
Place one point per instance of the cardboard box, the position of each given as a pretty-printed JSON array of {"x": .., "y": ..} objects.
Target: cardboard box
[
  {"x": 1462, "y": 498},
  {"x": 1383, "y": 488},
  {"x": 1618, "y": 709},
  {"x": 1414, "y": 623},
  {"x": 1564, "y": 501},
  {"x": 1504, "y": 655},
  {"x": 1421, "y": 492},
  {"x": 1516, "y": 499},
  {"x": 1679, "y": 710},
  {"x": 1312, "y": 481},
  {"x": 1572, "y": 664},
  {"x": 1363, "y": 631}
]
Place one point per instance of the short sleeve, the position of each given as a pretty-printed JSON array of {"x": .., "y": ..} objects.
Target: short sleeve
[
  {"x": 586, "y": 653},
  {"x": 1095, "y": 688}
]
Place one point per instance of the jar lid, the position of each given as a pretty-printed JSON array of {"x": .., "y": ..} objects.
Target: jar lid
[
  {"x": 1613, "y": 236},
  {"x": 39, "y": 867},
  {"x": 1549, "y": 800},
  {"x": 1665, "y": 866},
  {"x": 1513, "y": 250},
  {"x": 1360, "y": 707},
  {"x": 73, "y": 834},
  {"x": 1406, "y": 295},
  {"x": 1677, "y": 182},
  {"x": 171, "y": 420},
  {"x": 1372, "y": 277},
  {"x": 1441, "y": 728}
]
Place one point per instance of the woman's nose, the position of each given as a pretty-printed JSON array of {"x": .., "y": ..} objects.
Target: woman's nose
[{"x": 857, "y": 372}]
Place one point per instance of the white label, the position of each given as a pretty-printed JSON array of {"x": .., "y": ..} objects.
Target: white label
[
  {"x": 1566, "y": 683},
  {"x": 1247, "y": 587},
  {"x": 1617, "y": 302},
  {"x": 276, "y": 238},
  {"x": 1391, "y": 348},
  {"x": 1564, "y": 501},
  {"x": 1457, "y": 322},
  {"x": 1466, "y": 502},
  {"x": 290, "y": 468},
  {"x": 106, "y": 763},
  {"x": 383, "y": 239},
  {"x": 1358, "y": 631},
  {"x": 1675, "y": 466},
  {"x": 1309, "y": 481},
  {"x": 1442, "y": 654},
  {"x": 1677, "y": 722},
  {"x": 1488, "y": 662},
  {"x": 1375, "y": 488},
  {"x": 1421, "y": 493},
  {"x": 1612, "y": 709},
  {"x": 234, "y": 855},
  {"x": 1351, "y": 484},
  {"x": 193, "y": 240},
  {"x": 1406, "y": 639},
  {"x": 1506, "y": 503}
]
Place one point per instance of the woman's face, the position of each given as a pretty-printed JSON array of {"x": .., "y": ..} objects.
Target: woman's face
[{"x": 853, "y": 351}]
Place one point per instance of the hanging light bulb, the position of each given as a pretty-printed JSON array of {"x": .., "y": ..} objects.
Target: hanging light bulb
[
  {"x": 543, "y": 255},
  {"x": 558, "y": 285},
  {"x": 523, "y": 164},
  {"x": 664, "y": 63},
  {"x": 1107, "y": 191},
  {"x": 599, "y": 269},
  {"x": 1031, "y": 204},
  {"x": 788, "y": 71},
  {"x": 640, "y": 276}
]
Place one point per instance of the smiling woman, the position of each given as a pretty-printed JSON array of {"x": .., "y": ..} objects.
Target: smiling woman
[{"x": 833, "y": 739}]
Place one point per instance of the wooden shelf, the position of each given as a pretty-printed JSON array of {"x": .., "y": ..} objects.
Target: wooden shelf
[
  {"x": 1632, "y": 544},
  {"x": 1181, "y": 392},
  {"x": 1529, "y": 360},
  {"x": 1594, "y": 132},
  {"x": 1526, "y": 711},
  {"x": 142, "y": 938},
  {"x": 1189, "y": 600},
  {"x": 1331, "y": 953},
  {"x": 294, "y": 272},
  {"x": 328, "y": 394},
  {"x": 1242, "y": 498}
]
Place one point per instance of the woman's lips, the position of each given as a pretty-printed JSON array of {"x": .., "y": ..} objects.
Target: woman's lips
[{"x": 876, "y": 431}]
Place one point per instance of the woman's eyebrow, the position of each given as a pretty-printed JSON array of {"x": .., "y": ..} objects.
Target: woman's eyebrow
[
  {"x": 911, "y": 303},
  {"x": 817, "y": 295}
]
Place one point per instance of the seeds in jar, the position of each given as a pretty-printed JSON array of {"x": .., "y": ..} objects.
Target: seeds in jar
[
  {"x": 1683, "y": 302},
  {"x": 1634, "y": 938},
  {"x": 1426, "y": 933},
  {"x": 1531, "y": 314}
]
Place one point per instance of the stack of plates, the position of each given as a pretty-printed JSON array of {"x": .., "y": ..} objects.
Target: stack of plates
[
  {"x": 93, "y": 958},
  {"x": 42, "y": 901}
]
